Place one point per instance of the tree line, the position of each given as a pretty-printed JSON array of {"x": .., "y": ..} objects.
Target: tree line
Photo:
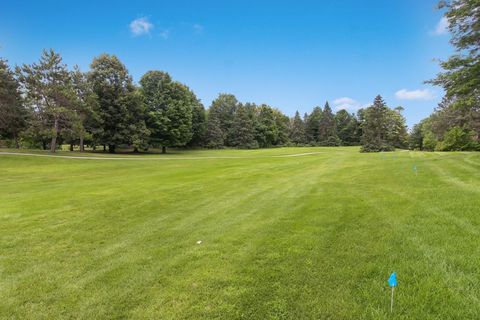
[{"x": 46, "y": 104}]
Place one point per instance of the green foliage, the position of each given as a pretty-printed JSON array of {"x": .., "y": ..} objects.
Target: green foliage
[
  {"x": 312, "y": 126},
  {"x": 245, "y": 127},
  {"x": 50, "y": 94},
  {"x": 267, "y": 130},
  {"x": 13, "y": 115},
  {"x": 460, "y": 78},
  {"x": 297, "y": 130},
  {"x": 415, "y": 139},
  {"x": 327, "y": 131},
  {"x": 222, "y": 113},
  {"x": 113, "y": 87},
  {"x": 374, "y": 127},
  {"x": 199, "y": 126},
  {"x": 458, "y": 139},
  {"x": 170, "y": 106},
  {"x": 347, "y": 128}
]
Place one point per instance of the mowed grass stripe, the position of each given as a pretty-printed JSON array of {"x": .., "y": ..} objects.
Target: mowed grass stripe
[{"x": 282, "y": 237}]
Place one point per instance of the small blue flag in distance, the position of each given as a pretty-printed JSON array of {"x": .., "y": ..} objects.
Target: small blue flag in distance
[{"x": 392, "y": 281}]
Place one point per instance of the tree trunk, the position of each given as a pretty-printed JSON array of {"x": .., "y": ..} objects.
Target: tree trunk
[
  {"x": 44, "y": 145},
  {"x": 111, "y": 148},
  {"x": 71, "y": 146},
  {"x": 82, "y": 147},
  {"x": 135, "y": 150},
  {"x": 15, "y": 138},
  {"x": 53, "y": 144},
  {"x": 104, "y": 148},
  {"x": 94, "y": 147},
  {"x": 164, "y": 149}
]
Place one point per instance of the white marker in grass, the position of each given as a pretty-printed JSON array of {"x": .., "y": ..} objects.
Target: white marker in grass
[{"x": 392, "y": 282}]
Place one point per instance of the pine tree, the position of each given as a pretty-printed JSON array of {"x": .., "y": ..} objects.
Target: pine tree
[
  {"x": 297, "y": 130},
  {"x": 347, "y": 128},
  {"x": 327, "y": 132},
  {"x": 215, "y": 138},
  {"x": 312, "y": 126},
  {"x": 375, "y": 127},
  {"x": 49, "y": 91},
  {"x": 244, "y": 127}
]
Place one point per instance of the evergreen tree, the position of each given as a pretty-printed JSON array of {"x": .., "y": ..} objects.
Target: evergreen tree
[
  {"x": 214, "y": 136},
  {"x": 374, "y": 127},
  {"x": 222, "y": 112},
  {"x": 347, "y": 128},
  {"x": 49, "y": 92},
  {"x": 244, "y": 127},
  {"x": 282, "y": 122},
  {"x": 327, "y": 132},
  {"x": 312, "y": 126},
  {"x": 13, "y": 114},
  {"x": 297, "y": 130}
]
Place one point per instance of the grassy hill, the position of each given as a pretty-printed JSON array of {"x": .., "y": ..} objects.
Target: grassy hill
[{"x": 290, "y": 233}]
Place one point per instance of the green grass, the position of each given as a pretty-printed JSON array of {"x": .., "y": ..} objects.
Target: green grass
[{"x": 307, "y": 237}]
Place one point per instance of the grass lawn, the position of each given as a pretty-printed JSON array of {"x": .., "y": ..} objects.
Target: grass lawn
[{"x": 283, "y": 237}]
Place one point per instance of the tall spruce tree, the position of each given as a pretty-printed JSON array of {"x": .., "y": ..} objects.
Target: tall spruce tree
[
  {"x": 13, "y": 115},
  {"x": 297, "y": 130},
  {"x": 312, "y": 126},
  {"x": 244, "y": 127},
  {"x": 374, "y": 127},
  {"x": 327, "y": 132}
]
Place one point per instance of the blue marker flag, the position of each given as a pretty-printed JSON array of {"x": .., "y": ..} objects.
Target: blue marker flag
[{"x": 392, "y": 281}]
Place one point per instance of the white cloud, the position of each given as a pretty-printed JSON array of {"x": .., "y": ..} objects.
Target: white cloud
[
  {"x": 405, "y": 94},
  {"x": 347, "y": 104},
  {"x": 442, "y": 27},
  {"x": 198, "y": 28},
  {"x": 141, "y": 26}
]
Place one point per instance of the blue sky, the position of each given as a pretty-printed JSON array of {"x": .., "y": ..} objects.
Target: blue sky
[{"x": 293, "y": 55}]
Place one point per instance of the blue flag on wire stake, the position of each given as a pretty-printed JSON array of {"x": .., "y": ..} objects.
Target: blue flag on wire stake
[{"x": 392, "y": 281}]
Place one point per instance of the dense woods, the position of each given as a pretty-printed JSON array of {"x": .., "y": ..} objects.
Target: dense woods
[{"x": 46, "y": 104}]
